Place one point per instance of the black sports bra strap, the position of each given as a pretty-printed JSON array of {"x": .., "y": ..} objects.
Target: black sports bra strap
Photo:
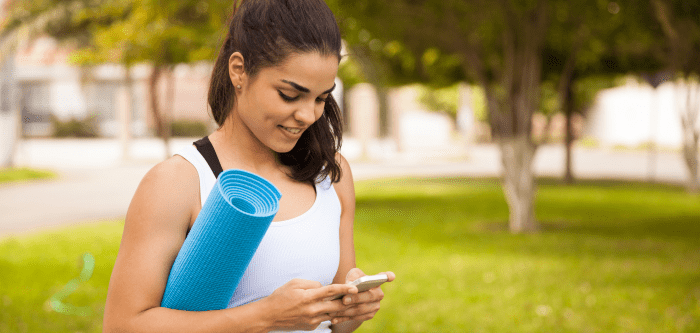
[{"x": 205, "y": 148}]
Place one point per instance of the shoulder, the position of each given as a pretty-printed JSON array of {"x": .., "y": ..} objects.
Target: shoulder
[
  {"x": 345, "y": 187},
  {"x": 168, "y": 191},
  {"x": 173, "y": 172}
]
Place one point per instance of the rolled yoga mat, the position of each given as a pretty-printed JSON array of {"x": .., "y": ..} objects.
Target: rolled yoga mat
[{"x": 223, "y": 239}]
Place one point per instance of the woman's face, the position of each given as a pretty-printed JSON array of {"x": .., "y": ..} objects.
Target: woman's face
[{"x": 281, "y": 102}]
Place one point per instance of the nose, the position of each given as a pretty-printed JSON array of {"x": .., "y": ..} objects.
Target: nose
[{"x": 306, "y": 114}]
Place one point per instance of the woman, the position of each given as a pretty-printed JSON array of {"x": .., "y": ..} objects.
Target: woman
[{"x": 270, "y": 95}]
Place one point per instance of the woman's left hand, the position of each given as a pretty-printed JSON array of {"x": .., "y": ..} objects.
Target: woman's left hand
[{"x": 364, "y": 305}]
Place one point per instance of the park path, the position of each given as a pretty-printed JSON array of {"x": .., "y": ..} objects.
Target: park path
[{"x": 103, "y": 191}]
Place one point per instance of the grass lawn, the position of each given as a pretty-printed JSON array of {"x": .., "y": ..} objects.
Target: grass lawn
[
  {"x": 23, "y": 174},
  {"x": 612, "y": 257}
]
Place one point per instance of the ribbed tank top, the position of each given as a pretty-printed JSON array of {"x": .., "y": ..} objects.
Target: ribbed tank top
[{"x": 305, "y": 247}]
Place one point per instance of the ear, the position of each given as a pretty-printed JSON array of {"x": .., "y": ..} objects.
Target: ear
[{"x": 236, "y": 70}]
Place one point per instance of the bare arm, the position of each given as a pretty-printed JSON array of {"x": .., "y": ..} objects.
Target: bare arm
[
  {"x": 363, "y": 306},
  {"x": 345, "y": 189},
  {"x": 156, "y": 226}
]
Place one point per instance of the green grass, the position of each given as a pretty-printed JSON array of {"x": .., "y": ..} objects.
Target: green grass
[
  {"x": 35, "y": 267},
  {"x": 23, "y": 174},
  {"x": 611, "y": 257}
]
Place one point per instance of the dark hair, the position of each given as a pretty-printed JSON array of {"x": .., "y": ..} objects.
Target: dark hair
[{"x": 266, "y": 33}]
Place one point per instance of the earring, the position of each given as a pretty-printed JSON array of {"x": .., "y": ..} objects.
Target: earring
[{"x": 238, "y": 86}]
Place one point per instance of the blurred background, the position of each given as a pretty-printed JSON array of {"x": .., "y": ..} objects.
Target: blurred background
[{"x": 527, "y": 166}]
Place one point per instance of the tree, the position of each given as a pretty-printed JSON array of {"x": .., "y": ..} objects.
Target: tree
[
  {"x": 499, "y": 46},
  {"x": 368, "y": 68},
  {"x": 585, "y": 53},
  {"x": 163, "y": 34},
  {"x": 680, "y": 22},
  {"x": 128, "y": 32},
  {"x": 509, "y": 47},
  {"x": 389, "y": 64},
  {"x": 24, "y": 21}
]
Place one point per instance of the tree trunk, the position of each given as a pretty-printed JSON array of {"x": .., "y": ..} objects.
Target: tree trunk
[
  {"x": 569, "y": 142},
  {"x": 690, "y": 151},
  {"x": 160, "y": 120},
  {"x": 125, "y": 102},
  {"x": 376, "y": 74},
  {"x": 518, "y": 182},
  {"x": 169, "y": 111},
  {"x": 511, "y": 103},
  {"x": 10, "y": 113},
  {"x": 691, "y": 135},
  {"x": 382, "y": 95},
  {"x": 568, "y": 106}
]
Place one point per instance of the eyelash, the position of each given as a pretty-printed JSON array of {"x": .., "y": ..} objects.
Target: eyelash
[
  {"x": 287, "y": 98},
  {"x": 292, "y": 99}
]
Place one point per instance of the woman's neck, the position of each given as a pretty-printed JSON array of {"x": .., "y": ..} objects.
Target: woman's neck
[{"x": 239, "y": 148}]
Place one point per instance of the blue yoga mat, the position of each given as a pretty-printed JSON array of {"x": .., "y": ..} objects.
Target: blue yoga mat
[{"x": 223, "y": 239}]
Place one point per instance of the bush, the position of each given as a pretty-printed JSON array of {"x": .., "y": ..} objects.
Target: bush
[
  {"x": 8, "y": 175},
  {"x": 188, "y": 128},
  {"x": 78, "y": 128}
]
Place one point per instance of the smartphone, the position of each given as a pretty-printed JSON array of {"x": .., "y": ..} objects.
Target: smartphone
[{"x": 366, "y": 283}]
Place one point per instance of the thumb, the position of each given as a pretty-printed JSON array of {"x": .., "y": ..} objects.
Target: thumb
[{"x": 354, "y": 274}]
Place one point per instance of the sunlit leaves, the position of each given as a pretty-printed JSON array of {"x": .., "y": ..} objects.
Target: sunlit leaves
[{"x": 129, "y": 31}]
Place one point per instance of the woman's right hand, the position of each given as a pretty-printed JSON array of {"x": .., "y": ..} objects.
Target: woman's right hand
[{"x": 303, "y": 304}]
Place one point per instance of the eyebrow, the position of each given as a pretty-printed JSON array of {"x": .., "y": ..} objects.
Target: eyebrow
[{"x": 304, "y": 89}]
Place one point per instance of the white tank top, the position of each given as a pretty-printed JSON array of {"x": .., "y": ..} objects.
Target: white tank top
[{"x": 305, "y": 247}]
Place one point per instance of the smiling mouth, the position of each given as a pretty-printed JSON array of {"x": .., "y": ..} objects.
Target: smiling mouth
[{"x": 291, "y": 130}]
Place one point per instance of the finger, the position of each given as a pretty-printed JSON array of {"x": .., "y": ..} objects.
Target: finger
[
  {"x": 365, "y": 312},
  {"x": 333, "y": 290},
  {"x": 390, "y": 276},
  {"x": 325, "y": 317},
  {"x": 339, "y": 310},
  {"x": 336, "y": 308},
  {"x": 358, "y": 310},
  {"x": 373, "y": 295},
  {"x": 306, "y": 284},
  {"x": 338, "y": 320},
  {"x": 354, "y": 274}
]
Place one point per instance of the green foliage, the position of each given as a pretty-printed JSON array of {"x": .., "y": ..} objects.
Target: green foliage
[
  {"x": 188, "y": 128},
  {"x": 604, "y": 37},
  {"x": 613, "y": 257},
  {"x": 549, "y": 99},
  {"x": 442, "y": 99},
  {"x": 76, "y": 128},
  {"x": 350, "y": 72},
  {"x": 23, "y": 174},
  {"x": 383, "y": 59},
  {"x": 680, "y": 42},
  {"x": 587, "y": 88},
  {"x": 584, "y": 92},
  {"x": 480, "y": 108},
  {"x": 447, "y": 100},
  {"x": 159, "y": 33},
  {"x": 127, "y": 31}
]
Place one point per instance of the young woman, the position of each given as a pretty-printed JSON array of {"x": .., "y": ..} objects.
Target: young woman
[{"x": 270, "y": 95}]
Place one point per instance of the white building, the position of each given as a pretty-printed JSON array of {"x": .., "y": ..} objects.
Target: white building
[{"x": 635, "y": 115}]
